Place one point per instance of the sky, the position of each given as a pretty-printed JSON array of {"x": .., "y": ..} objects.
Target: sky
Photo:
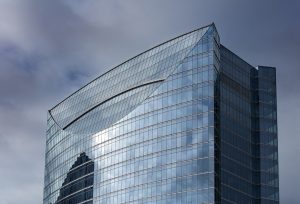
[{"x": 49, "y": 49}]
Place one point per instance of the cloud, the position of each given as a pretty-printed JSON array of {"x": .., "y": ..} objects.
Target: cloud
[{"x": 48, "y": 49}]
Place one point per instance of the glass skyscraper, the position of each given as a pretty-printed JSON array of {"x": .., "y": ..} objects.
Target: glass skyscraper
[{"x": 186, "y": 122}]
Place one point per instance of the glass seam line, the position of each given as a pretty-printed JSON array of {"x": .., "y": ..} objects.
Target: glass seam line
[
  {"x": 72, "y": 182},
  {"x": 198, "y": 29},
  {"x": 75, "y": 193},
  {"x": 182, "y": 59},
  {"x": 92, "y": 108},
  {"x": 188, "y": 53},
  {"x": 86, "y": 201}
]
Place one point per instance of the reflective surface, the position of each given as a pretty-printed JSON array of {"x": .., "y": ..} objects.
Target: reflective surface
[
  {"x": 153, "y": 144},
  {"x": 249, "y": 160},
  {"x": 185, "y": 122},
  {"x": 78, "y": 186},
  {"x": 157, "y": 63}
]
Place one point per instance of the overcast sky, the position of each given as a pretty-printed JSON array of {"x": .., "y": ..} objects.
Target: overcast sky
[{"x": 50, "y": 48}]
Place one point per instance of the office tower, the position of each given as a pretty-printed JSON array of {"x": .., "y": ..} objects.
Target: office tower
[{"x": 187, "y": 121}]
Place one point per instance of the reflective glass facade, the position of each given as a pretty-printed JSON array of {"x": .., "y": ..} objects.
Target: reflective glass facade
[
  {"x": 175, "y": 124},
  {"x": 248, "y": 127}
]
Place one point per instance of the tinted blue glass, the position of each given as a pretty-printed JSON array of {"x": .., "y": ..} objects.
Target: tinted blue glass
[
  {"x": 153, "y": 147},
  {"x": 249, "y": 161},
  {"x": 185, "y": 122}
]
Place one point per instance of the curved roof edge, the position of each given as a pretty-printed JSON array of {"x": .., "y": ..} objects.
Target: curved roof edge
[{"x": 212, "y": 24}]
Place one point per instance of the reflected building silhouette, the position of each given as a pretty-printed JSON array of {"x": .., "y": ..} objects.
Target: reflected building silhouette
[{"x": 78, "y": 185}]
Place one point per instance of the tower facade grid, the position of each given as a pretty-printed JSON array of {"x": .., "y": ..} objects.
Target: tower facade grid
[{"x": 187, "y": 121}]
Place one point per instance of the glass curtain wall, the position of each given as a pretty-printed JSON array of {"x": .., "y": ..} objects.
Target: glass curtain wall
[
  {"x": 164, "y": 149},
  {"x": 185, "y": 122},
  {"x": 151, "y": 140},
  {"x": 265, "y": 134},
  {"x": 248, "y": 127}
]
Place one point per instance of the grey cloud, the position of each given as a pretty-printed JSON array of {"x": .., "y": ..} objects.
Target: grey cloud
[{"x": 50, "y": 48}]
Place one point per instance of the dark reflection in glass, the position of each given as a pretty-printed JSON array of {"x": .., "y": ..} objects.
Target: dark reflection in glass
[{"x": 78, "y": 186}]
